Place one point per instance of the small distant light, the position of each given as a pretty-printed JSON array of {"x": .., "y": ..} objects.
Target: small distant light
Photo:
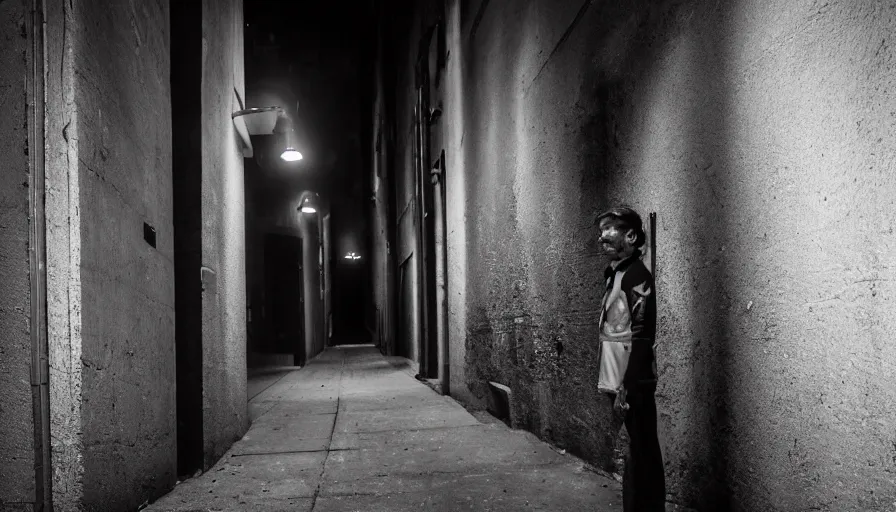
[
  {"x": 309, "y": 209},
  {"x": 352, "y": 256},
  {"x": 291, "y": 155}
]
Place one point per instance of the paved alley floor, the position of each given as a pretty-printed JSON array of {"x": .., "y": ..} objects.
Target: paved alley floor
[{"x": 353, "y": 432}]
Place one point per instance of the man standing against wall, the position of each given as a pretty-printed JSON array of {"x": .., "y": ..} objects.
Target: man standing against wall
[{"x": 627, "y": 363}]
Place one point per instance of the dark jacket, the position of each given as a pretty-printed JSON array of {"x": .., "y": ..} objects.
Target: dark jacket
[{"x": 638, "y": 289}]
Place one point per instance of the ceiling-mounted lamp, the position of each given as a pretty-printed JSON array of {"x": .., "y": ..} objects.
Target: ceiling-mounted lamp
[{"x": 352, "y": 256}]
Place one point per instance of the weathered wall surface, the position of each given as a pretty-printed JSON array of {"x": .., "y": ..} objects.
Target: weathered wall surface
[
  {"x": 122, "y": 155},
  {"x": 225, "y": 417},
  {"x": 458, "y": 22},
  {"x": 16, "y": 420},
  {"x": 63, "y": 258},
  {"x": 757, "y": 130},
  {"x": 408, "y": 280},
  {"x": 110, "y": 292},
  {"x": 380, "y": 207}
]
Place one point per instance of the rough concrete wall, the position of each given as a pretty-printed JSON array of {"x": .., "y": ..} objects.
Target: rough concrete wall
[
  {"x": 16, "y": 420},
  {"x": 123, "y": 147},
  {"x": 379, "y": 210},
  {"x": 63, "y": 256},
  {"x": 223, "y": 235},
  {"x": 787, "y": 147},
  {"x": 407, "y": 207},
  {"x": 757, "y": 131},
  {"x": 383, "y": 240},
  {"x": 454, "y": 120}
]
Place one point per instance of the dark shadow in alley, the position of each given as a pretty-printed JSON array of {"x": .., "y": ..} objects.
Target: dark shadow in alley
[{"x": 186, "y": 113}]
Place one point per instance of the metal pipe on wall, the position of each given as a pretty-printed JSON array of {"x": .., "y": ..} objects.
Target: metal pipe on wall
[
  {"x": 40, "y": 365},
  {"x": 441, "y": 254},
  {"x": 422, "y": 166}
]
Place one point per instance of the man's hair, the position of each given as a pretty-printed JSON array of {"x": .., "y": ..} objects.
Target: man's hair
[{"x": 626, "y": 218}]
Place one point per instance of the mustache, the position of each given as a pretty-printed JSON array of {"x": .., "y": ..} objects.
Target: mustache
[{"x": 599, "y": 247}]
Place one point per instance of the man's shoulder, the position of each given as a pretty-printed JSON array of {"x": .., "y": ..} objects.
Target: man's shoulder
[{"x": 636, "y": 274}]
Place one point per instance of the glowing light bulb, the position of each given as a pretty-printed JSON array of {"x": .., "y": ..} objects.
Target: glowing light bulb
[{"x": 291, "y": 155}]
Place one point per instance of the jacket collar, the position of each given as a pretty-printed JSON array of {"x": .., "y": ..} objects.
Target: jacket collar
[{"x": 622, "y": 265}]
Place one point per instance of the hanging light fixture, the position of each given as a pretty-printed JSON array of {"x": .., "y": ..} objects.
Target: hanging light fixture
[
  {"x": 266, "y": 121},
  {"x": 287, "y": 131},
  {"x": 255, "y": 121}
]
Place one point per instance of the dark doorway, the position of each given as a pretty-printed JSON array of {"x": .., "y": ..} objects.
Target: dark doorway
[
  {"x": 348, "y": 307},
  {"x": 284, "y": 298}
]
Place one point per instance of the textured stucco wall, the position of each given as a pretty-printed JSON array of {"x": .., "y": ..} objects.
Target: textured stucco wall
[
  {"x": 380, "y": 246},
  {"x": 63, "y": 257},
  {"x": 110, "y": 295},
  {"x": 120, "y": 149},
  {"x": 225, "y": 416},
  {"x": 757, "y": 130},
  {"x": 409, "y": 328},
  {"x": 16, "y": 421}
]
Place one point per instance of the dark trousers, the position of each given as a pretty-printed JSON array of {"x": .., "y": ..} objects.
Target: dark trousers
[{"x": 643, "y": 482}]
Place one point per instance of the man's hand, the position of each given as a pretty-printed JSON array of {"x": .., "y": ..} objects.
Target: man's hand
[{"x": 620, "y": 403}]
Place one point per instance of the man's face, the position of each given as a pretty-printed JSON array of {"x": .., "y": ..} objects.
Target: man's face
[{"x": 616, "y": 241}]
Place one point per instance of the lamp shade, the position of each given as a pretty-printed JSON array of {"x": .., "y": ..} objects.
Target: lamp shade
[
  {"x": 309, "y": 204},
  {"x": 290, "y": 144}
]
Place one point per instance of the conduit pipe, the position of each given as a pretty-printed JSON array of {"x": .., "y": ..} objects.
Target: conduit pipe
[{"x": 441, "y": 274}]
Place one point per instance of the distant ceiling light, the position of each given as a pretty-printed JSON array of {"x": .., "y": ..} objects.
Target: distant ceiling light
[
  {"x": 309, "y": 204},
  {"x": 352, "y": 256}
]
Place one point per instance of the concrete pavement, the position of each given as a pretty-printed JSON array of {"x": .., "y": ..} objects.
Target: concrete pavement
[{"x": 353, "y": 432}]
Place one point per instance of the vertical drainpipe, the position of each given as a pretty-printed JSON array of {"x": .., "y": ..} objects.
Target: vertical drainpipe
[
  {"x": 37, "y": 256},
  {"x": 322, "y": 321},
  {"x": 421, "y": 167},
  {"x": 441, "y": 277},
  {"x": 424, "y": 167}
]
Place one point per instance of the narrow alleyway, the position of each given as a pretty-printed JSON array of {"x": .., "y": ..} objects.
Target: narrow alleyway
[{"x": 354, "y": 432}]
